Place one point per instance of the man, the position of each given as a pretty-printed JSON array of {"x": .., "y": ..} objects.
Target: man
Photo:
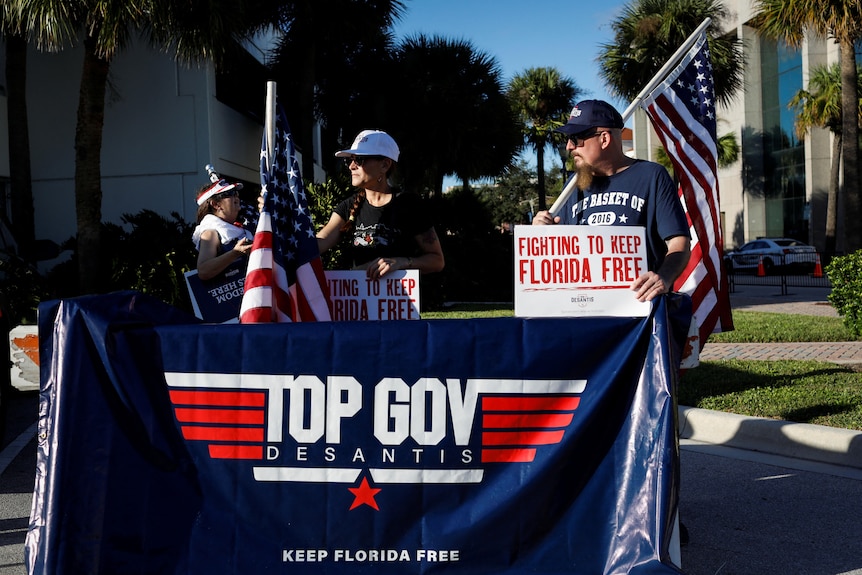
[{"x": 616, "y": 190}]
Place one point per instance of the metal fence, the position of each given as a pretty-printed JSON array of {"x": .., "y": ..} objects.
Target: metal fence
[
  {"x": 793, "y": 270},
  {"x": 781, "y": 279}
]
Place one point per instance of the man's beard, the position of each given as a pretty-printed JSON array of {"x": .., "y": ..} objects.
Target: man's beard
[{"x": 585, "y": 173}]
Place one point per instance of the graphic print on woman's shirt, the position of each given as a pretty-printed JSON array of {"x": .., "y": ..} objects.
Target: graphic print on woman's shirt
[{"x": 378, "y": 234}]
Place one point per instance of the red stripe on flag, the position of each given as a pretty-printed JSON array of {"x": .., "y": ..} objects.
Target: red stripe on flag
[
  {"x": 508, "y": 455},
  {"x": 233, "y": 398},
  {"x": 527, "y": 420},
  {"x": 521, "y": 437},
  {"x": 201, "y": 433},
  {"x": 236, "y": 451},
  {"x": 232, "y": 416},
  {"x": 521, "y": 403}
]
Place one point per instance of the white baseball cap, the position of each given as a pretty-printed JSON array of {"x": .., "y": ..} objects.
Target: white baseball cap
[{"x": 372, "y": 143}]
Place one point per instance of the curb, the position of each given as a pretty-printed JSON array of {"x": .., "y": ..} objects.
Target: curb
[{"x": 818, "y": 443}]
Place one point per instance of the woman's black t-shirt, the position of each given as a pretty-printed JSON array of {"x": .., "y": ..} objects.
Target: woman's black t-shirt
[{"x": 387, "y": 231}]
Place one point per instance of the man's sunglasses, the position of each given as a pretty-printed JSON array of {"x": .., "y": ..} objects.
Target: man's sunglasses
[
  {"x": 580, "y": 139},
  {"x": 360, "y": 160}
]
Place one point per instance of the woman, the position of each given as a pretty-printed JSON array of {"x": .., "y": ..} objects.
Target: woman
[
  {"x": 219, "y": 240},
  {"x": 388, "y": 230}
]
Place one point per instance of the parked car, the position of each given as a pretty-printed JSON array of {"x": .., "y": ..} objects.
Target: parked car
[{"x": 775, "y": 254}]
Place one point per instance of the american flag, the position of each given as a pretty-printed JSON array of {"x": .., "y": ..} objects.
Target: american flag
[
  {"x": 682, "y": 111},
  {"x": 285, "y": 279}
]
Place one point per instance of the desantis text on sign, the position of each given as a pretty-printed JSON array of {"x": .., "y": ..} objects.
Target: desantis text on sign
[
  {"x": 578, "y": 270},
  {"x": 354, "y": 297}
]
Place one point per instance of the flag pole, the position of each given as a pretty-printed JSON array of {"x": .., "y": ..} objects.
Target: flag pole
[
  {"x": 269, "y": 122},
  {"x": 656, "y": 80},
  {"x": 661, "y": 74}
]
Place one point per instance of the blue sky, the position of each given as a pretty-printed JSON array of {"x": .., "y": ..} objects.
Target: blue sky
[{"x": 522, "y": 34}]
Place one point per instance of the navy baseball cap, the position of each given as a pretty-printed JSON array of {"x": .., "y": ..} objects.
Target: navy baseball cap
[{"x": 591, "y": 114}]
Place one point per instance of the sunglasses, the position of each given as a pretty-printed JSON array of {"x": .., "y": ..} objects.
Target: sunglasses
[
  {"x": 581, "y": 140},
  {"x": 228, "y": 194},
  {"x": 360, "y": 160}
]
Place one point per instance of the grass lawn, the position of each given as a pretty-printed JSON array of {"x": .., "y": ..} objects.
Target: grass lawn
[{"x": 801, "y": 391}]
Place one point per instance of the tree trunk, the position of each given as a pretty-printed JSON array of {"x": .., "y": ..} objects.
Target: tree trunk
[
  {"x": 88, "y": 170},
  {"x": 23, "y": 223},
  {"x": 850, "y": 147},
  {"x": 540, "y": 175},
  {"x": 832, "y": 196}
]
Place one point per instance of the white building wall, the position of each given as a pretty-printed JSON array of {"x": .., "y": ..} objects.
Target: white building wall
[{"x": 162, "y": 126}]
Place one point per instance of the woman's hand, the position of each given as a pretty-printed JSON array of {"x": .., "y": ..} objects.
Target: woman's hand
[
  {"x": 383, "y": 266},
  {"x": 243, "y": 246}
]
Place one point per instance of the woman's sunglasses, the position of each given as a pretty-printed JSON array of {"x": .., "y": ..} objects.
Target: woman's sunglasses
[
  {"x": 360, "y": 160},
  {"x": 228, "y": 194}
]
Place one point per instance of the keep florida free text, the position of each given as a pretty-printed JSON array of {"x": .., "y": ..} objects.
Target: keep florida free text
[
  {"x": 580, "y": 259},
  {"x": 370, "y": 555}
]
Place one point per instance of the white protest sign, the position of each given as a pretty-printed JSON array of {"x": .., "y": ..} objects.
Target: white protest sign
[
  {"x": 578, "y": 271},
  {"x": 354, "y": 297}
]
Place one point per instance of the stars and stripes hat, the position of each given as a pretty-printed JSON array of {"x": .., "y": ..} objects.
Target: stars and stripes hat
[
  {"x": 218, "y": 187},
  {"x": 589, "y": 114},
  {"x": 372, "y": 143}
]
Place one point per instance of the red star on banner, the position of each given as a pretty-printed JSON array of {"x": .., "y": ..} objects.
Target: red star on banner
[{"x": 364, "y": 495}]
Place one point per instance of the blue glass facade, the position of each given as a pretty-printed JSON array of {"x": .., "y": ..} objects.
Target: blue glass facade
[{"x": 783, "y": 159}]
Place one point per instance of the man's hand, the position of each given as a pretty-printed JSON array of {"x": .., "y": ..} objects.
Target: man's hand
[
  {"x": 650, "y": 285},
  {"x": 544, "y": 218}
]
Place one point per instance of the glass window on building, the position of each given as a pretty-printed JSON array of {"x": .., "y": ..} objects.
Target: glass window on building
[{"x": 783, "y": 152}]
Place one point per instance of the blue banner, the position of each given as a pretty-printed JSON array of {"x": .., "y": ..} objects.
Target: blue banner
[{"x": 461, "y": 446}]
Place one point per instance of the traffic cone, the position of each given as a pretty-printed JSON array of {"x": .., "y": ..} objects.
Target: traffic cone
[
  {"x": 760, "y": 270},
  {"x": 818, "y": 271}
]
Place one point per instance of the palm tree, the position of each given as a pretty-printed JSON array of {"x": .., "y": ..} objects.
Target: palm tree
[
  {"x": 105, "y": 28},
  {"x": 820, "y": 106},
  {"x": 23, "y": 224},
  {"x": 647, "y": 34},
  {"x": 450, "y": 113},
  {"x": 325, "y": 45},
  {"x": 542, "y": 98},
  {"x": 790, "y": 20}
]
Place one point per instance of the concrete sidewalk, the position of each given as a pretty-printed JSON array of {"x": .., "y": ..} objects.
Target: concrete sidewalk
[
  {"x": 802, "y": 301},
  {"x": 846, "y": 353}
]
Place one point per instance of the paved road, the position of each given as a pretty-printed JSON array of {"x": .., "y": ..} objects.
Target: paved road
[
  {"x": 17, "y": 475},
  {"x": 750, "y": 513},
  {"x": 755, "y": 513},
  {"x": 746, "y": 512}
]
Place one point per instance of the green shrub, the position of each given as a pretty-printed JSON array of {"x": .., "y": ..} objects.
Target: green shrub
[
  {"x": 22, "y": 287},
  {"x": 150, "y": 254},
  {"x": 845, "y": 275},
  {"x": 322, "y": 199}
]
